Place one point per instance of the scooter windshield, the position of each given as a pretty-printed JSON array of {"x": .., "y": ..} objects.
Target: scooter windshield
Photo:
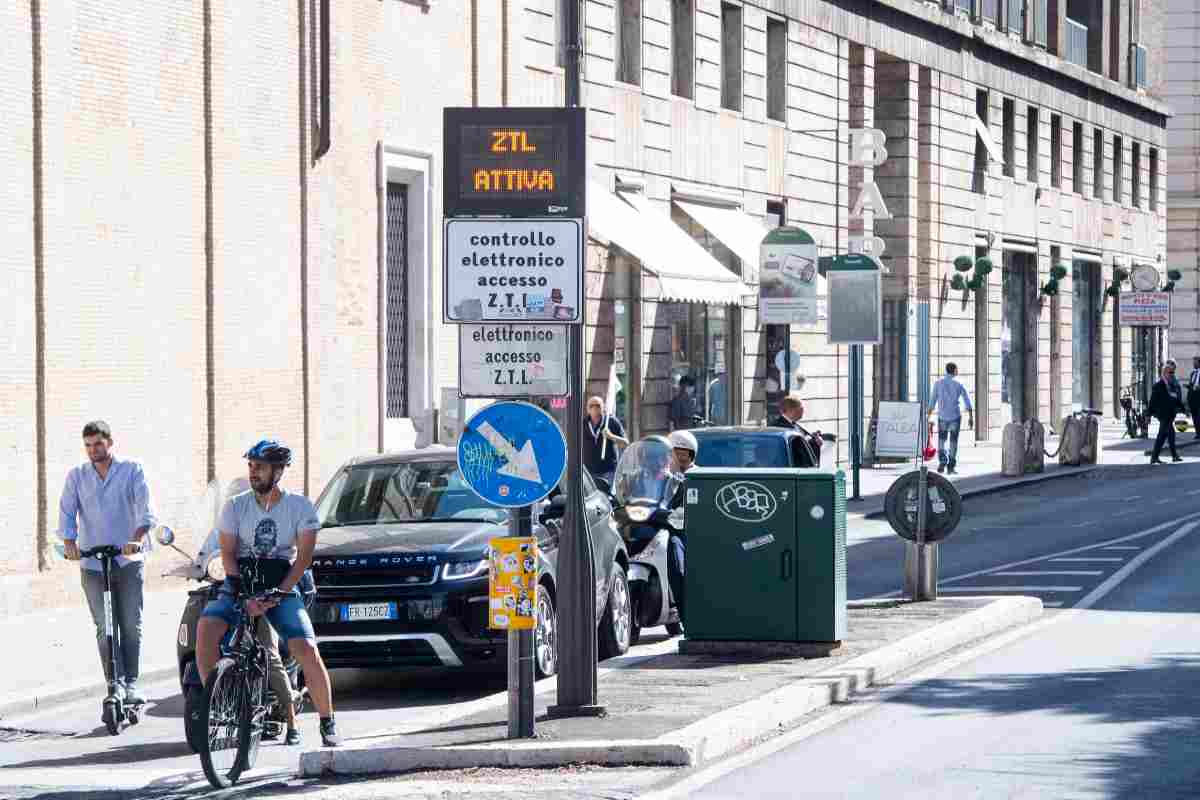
[{"x": 645, "y": 474}]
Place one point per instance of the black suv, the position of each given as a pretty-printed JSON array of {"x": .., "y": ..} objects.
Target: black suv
[
  {"x": 753, "y": 446},
  {"x": 402, "y": 573}
]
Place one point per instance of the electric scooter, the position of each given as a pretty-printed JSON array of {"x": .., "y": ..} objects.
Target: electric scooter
[{"x": 117, "y": 712}]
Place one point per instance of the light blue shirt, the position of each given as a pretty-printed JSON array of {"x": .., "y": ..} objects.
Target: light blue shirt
[
  {"x": 95, "y": 511},
  {"x": 945, "y": 399}
]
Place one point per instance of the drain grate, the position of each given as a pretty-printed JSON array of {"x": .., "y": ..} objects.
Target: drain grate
[{"x": 31, "y": 734}]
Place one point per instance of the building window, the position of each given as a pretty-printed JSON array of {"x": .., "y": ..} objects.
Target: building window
[
  {"x": 989, "y": 11},
  {"x": 1135, "y": 163},
  {"x": 397, "y": 300},
  {"x": 1031, "y": 144},
  {"x": 979, "y": 177},
  {"x": 1154, "y": 179},
  {"x": 629, "y": 41},
  {"x": 731, "y": 57},
  {"x": 1040, "y": 21},
  {"x": 1016, "y": 17},
  {"x": 1056, "y": 151},
  {"x": 1010, "y": 136},
  {"x": 777, "y": 69},
  {"x": 1077, "y": 158},
  {"x": 1118, "y": 170},
  {"x": 683, "y": 48},
  {"x": 1098, "y": 164}
]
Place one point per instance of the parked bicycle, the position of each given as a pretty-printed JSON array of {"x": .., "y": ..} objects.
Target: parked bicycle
[
  {"x": 234, "y": 710},
  {"x": 1137, "y": 416}
]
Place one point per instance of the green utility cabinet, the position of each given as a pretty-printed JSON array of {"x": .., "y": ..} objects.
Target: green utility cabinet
[{"x": 766, "y": 555}]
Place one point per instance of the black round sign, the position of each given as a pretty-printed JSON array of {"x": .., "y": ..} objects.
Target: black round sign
[{"x": 943, "y": 507}]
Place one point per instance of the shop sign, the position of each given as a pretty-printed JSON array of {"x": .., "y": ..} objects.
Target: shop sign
[
  {"x": 788, "y": 278},
  {"x": 868, "y": 148},
  {"x": 898, "y": 430},
  {"x": 513, "y": 270},
  {"x": 855, "y": 300},
  {"x": 512, "y": 360},
  {"x": 1144, "y": 309},
  {"x": 512, "y": 583}
]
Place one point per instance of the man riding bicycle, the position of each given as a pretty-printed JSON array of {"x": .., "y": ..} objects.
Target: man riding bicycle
[{"x": 273, "y": 533}]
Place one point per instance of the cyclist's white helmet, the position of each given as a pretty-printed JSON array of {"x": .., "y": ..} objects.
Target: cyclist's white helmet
[{"x": 684, "y": 440}]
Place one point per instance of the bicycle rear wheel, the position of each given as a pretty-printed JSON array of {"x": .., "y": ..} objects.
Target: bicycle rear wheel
[{"x": 224, "y": 736}]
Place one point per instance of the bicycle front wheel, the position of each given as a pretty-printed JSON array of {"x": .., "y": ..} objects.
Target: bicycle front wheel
[
  {"x": 223, "y": 720},
  {"x": 253, "y": 717}
]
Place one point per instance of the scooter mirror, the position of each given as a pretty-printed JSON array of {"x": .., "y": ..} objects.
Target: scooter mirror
[{"x": 164, "y": 535}]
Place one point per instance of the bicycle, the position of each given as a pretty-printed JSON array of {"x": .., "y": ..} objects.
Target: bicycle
[
  {"x": 1137, "y": 417},
  {"x": 233, "y": 712}
]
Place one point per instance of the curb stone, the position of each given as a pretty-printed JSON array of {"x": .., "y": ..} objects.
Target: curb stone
[
  {"x": 709, "y": 738},
  {"x": 21, "y": 704}
]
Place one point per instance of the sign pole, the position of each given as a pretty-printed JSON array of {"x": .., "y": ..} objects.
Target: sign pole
[
  {"x": 520, "y": 653},
  {"x": 919, "y": 592},
  {"x": 577, "y": 611},
  {"x": 856, "y": 418}
]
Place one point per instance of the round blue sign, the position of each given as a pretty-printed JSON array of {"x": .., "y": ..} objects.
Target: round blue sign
[{"x": 512, "y": 454}]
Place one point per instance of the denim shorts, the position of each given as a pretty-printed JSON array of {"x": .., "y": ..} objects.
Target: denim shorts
[{"x": 289, "y": 618}]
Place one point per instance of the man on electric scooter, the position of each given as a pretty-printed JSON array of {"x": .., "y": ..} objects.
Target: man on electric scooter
[
  {"x": 111, "y": 499},
  {"x": 683, "y": 457},
  {"x": 278, "y": 530}
]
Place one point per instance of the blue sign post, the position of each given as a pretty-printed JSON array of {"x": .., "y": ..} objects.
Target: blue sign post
[{"x": 512, "y": 454}]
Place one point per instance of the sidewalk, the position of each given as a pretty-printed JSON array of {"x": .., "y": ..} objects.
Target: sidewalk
[
  {"x": 978, "y": 469},
  {"x": 55, "y": 658},
  {"x": 684, "y": 710}
]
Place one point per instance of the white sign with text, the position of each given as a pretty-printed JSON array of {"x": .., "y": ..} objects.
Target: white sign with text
[
  {"x": 512, "y": 360},
  {"x": 899, "y": 430}
]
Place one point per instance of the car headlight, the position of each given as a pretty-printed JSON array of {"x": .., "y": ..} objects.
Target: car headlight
[
  {"x": 638, "y": 513},
  {"x": 458, "y": 570}
]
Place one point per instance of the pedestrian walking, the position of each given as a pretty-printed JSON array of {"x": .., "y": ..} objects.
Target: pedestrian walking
[
  {"x": 945, "y": 398},
  {"x": 600, "y": 445},
  {"x": 1194, "y": 395},
  {"x": 106, "y": 501},
  {"x": 1166, "y": 400}
]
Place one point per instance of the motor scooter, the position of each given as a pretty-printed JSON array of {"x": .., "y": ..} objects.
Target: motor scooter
[
  {"x": 117, "y": 713},
  {"x": 643, "y": 487},
  {"x": 206, "y": 568}
]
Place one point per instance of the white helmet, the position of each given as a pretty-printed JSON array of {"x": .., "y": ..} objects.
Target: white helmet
[{"x": 684, "y": 440}]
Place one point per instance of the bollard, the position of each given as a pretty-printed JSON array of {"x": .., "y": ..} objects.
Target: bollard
[{"x": 920, "y": 571}]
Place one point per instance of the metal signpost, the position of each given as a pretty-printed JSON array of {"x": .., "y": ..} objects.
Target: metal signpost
[
  {"x": 513, "y": 455},
  {"x": 514, "y": 200}
]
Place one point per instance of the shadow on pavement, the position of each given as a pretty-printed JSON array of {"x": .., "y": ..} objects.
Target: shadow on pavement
[
  {"x": 1161, "y": 760},
  {"x": 179, "y": 788},
  {"x": 140, "y": 752}
]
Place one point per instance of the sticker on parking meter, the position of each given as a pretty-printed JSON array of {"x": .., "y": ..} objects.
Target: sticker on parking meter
[
  {"x": 693, "y": 496},
  {"x": 512, "y": 583}
]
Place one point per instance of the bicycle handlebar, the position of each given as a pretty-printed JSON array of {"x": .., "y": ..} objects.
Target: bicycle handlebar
[{"x": 102, "y": 551}]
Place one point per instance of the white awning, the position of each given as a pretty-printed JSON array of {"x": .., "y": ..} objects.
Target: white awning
[
  {"x": 737, "y": 230},
  {"x": 1093, "y": 258},
  {"x": 686, "y": 272}
]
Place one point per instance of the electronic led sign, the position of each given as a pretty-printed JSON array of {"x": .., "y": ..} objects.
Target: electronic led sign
[{"x": 524, "y": 162}]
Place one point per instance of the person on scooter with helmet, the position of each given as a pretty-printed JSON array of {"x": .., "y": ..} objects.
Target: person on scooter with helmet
[
  {"x": 683, "y": 457},
  {"x": 276, "y": 531}
]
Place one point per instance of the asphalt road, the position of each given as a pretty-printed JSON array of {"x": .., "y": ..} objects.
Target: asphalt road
[
  {"x": 1096, "y": 703},
  {"x": 1084, "y": 529}
]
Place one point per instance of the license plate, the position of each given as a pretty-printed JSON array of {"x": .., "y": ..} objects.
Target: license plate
[{"x": 357, "y": 612}]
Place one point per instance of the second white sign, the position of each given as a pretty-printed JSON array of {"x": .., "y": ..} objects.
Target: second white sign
[{"x": 512, "y": 360}]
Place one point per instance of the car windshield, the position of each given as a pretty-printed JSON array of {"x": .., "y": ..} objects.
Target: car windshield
[
  {"x": 422, "y": 491},
  {"x": 742, "y": 450}
]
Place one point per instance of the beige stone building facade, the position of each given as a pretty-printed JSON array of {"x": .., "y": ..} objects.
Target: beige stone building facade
[
  {"x": 1182, "y": 91},
  {"x": 188, "y": 259}
]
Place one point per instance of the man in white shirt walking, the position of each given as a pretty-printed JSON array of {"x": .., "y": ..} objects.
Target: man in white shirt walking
[{"x": 945, "y": 397}]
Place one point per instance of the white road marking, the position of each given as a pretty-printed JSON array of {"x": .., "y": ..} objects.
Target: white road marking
[
  {"x": 869, "y": 700},
  {"x": 1051, "y": 556},
  {"x": 1164, "y": 502},
  {"x": 1194, "y": 491},
  {"x": 1089, "y": 558},
  {"x": 1010, "y": 588},
  {"x": 1083, "y": 525},
  {"x": 1122, "y": 547},
  {"x": 1052, "y": 603},
  {"x": 1034, "y": 574}
]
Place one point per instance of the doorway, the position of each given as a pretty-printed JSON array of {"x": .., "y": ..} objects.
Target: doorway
[
  {"x": 1018, "y": 337},
  {"x": 1085, "y": 334}
]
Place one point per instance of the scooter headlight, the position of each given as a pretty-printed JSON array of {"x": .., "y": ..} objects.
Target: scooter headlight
[{"x": 638, "y": 513}]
